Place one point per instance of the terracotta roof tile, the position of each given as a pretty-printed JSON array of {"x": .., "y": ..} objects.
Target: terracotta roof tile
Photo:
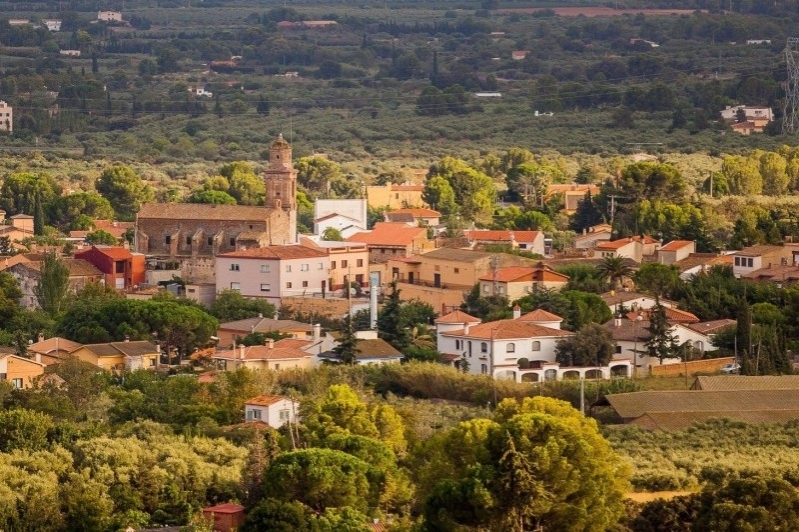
[
  {"x": 264, "y": 325},
  {"x": 196, "y": 211},
  {"x": 721, "y": 383},
  {"x": 501, "y": 235},
  {"x": 276, "y": 253},
  {"x": 674, "y": 245},
  {"x": 51, "y": 344},
  {"x": 457, "y": 316},
  {"x": 540, "y": 315},
  {"x": 264, "y": 400},
  {"x": 507, "y": 329},
  {"x": 711, "y": 327},
  {"x": 389, "y": 234},
  {"x": 758, "y": 250},
  {"x": 132, "y": 348},
  {"x": 417, "y": 213},
  {"x": 261, "y": 352}
]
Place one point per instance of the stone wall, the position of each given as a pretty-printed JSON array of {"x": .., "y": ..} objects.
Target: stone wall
[{"x": 708, "y": 365}]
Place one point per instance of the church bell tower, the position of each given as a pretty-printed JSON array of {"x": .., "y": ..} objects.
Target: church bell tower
[{"x": 280, "y": 179}]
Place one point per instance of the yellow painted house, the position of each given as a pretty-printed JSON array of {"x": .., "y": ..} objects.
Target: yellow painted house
[
  {"x": 19, "y": 371},
  {"x": 121, "y": 355}
]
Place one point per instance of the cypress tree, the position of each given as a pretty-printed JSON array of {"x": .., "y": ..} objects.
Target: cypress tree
[
  {"x": 743, "y": 337},
  {"x": 661, "y": 342}
]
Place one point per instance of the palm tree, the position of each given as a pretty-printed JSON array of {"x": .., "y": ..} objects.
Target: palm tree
[
  {"x": 615, "y": 270},
  {"x": 422, "y": 337}
]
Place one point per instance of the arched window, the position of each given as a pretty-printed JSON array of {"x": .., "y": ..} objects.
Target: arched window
[
  {"x": 511, "y": 348},
  {"x": 483, "y": 347},
  {"x": 536, "y": 346}
]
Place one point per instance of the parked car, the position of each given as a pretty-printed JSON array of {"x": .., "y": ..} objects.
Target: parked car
[{"x": 732, "y": 367}]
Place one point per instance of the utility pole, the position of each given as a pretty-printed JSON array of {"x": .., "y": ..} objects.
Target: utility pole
[{"x": 612, "y": 213}]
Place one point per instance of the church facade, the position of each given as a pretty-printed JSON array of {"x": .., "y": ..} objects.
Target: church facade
[{"x": 187, "y": 236}]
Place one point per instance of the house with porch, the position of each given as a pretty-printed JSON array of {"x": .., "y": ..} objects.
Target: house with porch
[
  {"x": 259, "y": 357},
  {"x": 518, "y": 349}
]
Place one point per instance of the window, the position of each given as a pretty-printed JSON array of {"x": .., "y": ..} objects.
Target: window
[
  {"x": 344, "y": 264},
  {"x": 288, "y": 285},
  {"x": 500, "y": 289},
  {"x": 234, "y": 267},
  {"x": 737, "y": 261},
  {"x": 457, "y": 344},
  {"x": 266, "y": 287},
  {"x": 536, "y": 346},
  {"x": 359, "y": 263},
  {"x": 188, "y": 240},
  {"x": 522, "y": 246},
  {"x": 618, "y": 349},
  {"x": 16, "y": 383},
  {"x": 235, "y": 286},
  {"x": 233, "y": 242},
  {"x": 396, "y": 196},
  {"x": 265, "y": 268},
  {"x": 283, "y": 415},
  {"x": 190, "y": 290},
  {"x": 383, "y": 251},
  {"x": 321, "y": 266},
  {"x": 305, "y": 284},
  {"x": 483, "y": 347},
  {"x": 485, "y": 288},
  {"x": 167, "y": 240},
  {"x": 119, "y": 266},
  {"x": 511, "y": 348},
  {"x": 332, "y": 265},
  {"x": 750, "y": 262},
  {"x": 253, "y": 414},
  {"x": 277, "y": 367},
  {"x": 210, "y": 241},
  {"x": 288, "y": 268},
  {"x": 457, "y": 270},
  {"x": 305, "y": 267},
  {"x": 152, "y": 362},
  {"x": 483, "y": 368}
]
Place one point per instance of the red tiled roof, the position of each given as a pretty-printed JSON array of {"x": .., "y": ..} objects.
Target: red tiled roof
[
  {"x": 674, "y": 245},
  {"x": 672, "y": 314},
  {"x": 573, "y": 188},
  {"x": 457, "y": 316},
  {"x": 508, "y": 329},
  {"x": 197, "y": 211},
  {"x": 389, "y": 234},
  {"x": 417, "y": 213},
  {"x": 262, "y": 352},
  {"x": 293, "y": 343},
  {"x": 115, "y": 252},
  {"x": 501, "y": 235},
  {"x": 407, "y": 188},
  {"x": 540, "y": 315},
  {"x": 276, "y": 253},
  {"x": 264, "y": 400}
]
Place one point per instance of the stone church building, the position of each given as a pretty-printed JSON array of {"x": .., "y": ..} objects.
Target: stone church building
[{"x": 191, "y": 234}]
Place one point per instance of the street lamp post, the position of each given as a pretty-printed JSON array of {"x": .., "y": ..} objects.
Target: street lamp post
[{"x": 638, "y": 319}]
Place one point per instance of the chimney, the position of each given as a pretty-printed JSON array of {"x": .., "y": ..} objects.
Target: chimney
[
  {"x": 127, "y": 338},
  {"x": 241, "y": 351},
  {"x": 317, "y": 332},
  {"x": 260, "y": 315},
  {"x": 585, "y": 231},
  {"x": 617, "y": 321},
  {"x": 517, "y": 312},
  {"x": 465, "y": 328},
  {"x": 41, "y": 337},
  {"x": 270, "y": 343},
  {"x": 38, "y": 358}
]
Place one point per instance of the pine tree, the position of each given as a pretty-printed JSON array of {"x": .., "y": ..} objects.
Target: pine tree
[
  {"x": 587, "y": 214},
  {"x": 38, "y": 215},
  {"x": 390, "y": 324},
  {"x": 347, "y": 349},
  {"x": 95, "y": 66},
  {"x": 661, "y": 342}
]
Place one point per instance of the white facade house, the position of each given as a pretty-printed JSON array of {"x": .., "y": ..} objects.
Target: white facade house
[
  {"x": 52, "y": 24},
  {"x": 730, "y": 114},
  {"x": 274, "y": 410},
  {"x": 346, "y": 215},
  {"x": 274, "y": 272},
  {"x": 632, "y": 300},
  {"x": 521, "y": 349},
  {"x": 200, "y": 91}
]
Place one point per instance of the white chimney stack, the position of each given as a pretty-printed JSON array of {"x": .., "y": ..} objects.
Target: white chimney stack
[
  {"x": 241, "y": 351},
  {"x": 465, "y": 328},
  {"x": 38, "y": 358},
  {"x": 317, "y": 332},
  {"x": 617, "y": 321},
  {"x": 270, "y": 343},
  {"x": 41, "y": 337},
  {"x": 517, "y": 312}
]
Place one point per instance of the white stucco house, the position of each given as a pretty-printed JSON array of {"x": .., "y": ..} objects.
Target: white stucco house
[
  {"x": 522, "y": 349},
  {"x": 274, "y": 410},
  {"x": 346, "y": 215}
]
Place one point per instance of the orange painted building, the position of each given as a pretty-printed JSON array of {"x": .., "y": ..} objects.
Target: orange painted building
[{"x": 121, "y": 268}]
